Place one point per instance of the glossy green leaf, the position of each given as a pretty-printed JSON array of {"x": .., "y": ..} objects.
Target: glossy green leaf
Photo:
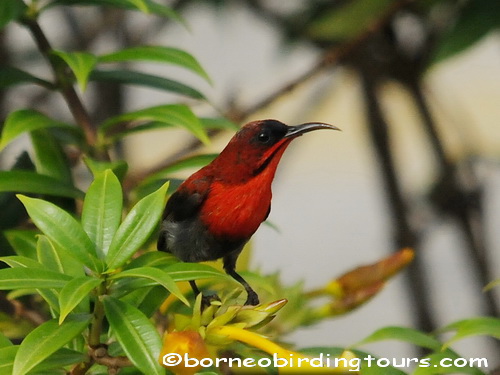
[
  {"x": 10, "y": 10},
  {"x": 63, "y": 230},
  {"x": 15, "y": 261},
  {"x": 165, "y": 115},
  {"x": 81, "y": 63},
  {"x": 26, "y": 120},
  {"x": 152, "y": 259},
  {"x": 31, "y": 278},
  {"x": 10, "y": 76},
  {"x": 35, "y": 183},
  {"x": 161, "y": 54},
  {"x": 118, "y": 167},
  {"x": 157, "y": 275},
  {"x": 482, "y": 326},
  {"x": 126, "y": 286},
  {"x": 193, "y": 271},
  {"x": 61, "y": 358},
  {"x": 102, "y": 210},
  {"x": 404, "y": 334},
  {"x": 129, "y": 77},
  {"x": 50, "y": 159},
  {"x": 337, "y": 23},
  {"x": 4, "y": 341},
  {"x": 146, "y": 6},
  {"x": 136, "y": 334},
  {"x": 150, "y": 301},
  {"x": 196, "y": 161},
  {"x": 49, "y": 295},
  {"x": 55, "y": 259},
  {"x": 23, "y": 242},
  {"x": 74, "y": 292},
  {"x": 45, "y": 340},
  {"x": 138, "y": 225},
  {"x": 218, "y": 123},
  {"x": 477, "y": 19},
  {"x": 7, "y": 356}
]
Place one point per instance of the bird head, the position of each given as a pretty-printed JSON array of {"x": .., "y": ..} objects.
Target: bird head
[{"x": 258, "y": 146}]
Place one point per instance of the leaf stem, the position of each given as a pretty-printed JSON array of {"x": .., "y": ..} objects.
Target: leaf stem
[{"x": 97, "y": 319}]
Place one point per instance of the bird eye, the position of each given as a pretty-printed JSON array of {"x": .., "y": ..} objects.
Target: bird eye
[{"x": 264, "y": 137}]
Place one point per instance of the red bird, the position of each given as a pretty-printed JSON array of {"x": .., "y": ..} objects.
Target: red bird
[{"x": 216, "y": 210}]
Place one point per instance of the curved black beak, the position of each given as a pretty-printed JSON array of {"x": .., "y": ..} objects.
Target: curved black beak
[{"x": 297, "y": 130}]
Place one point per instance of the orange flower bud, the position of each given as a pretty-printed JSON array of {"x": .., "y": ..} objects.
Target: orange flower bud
[
  {"x": 375, "y": 273},
  {"x": 179, "y": 344}
]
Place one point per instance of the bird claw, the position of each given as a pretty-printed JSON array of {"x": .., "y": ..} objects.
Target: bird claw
[{"x": 206, "y": 300}]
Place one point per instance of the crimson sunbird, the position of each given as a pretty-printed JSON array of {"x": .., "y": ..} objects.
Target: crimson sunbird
[{"x": 214, "y": 212}]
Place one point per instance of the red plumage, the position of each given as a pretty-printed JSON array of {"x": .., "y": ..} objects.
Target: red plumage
[{"x": 216, "y": 210}]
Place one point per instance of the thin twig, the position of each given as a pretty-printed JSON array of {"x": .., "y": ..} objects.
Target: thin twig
[
  {"x": 330, "y": 58},
  {"x": 65, "y": 84}
]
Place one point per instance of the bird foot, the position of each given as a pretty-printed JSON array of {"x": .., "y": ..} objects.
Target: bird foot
[
  {"x": 252, "y": 299},
  {"x": 206, "y": 300}
]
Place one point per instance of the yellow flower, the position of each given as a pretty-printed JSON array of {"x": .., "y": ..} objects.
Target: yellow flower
[
  {"x": 296, "y": 363},
  {"x": 176, "y": 345}
]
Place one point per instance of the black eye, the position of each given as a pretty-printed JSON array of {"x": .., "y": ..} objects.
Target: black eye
[{"x": 264, "y": 137}]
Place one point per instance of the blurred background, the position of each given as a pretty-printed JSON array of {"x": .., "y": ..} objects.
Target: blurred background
[{"x": 415, "y": 88}]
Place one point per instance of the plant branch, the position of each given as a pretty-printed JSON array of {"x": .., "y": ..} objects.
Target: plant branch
[
  {"x": 405, "y": 235},
  {"x": 64, "y": 82},
  {"x": 331, "y": 57}
]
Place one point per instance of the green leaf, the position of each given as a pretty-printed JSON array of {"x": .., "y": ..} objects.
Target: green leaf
[
  {"x": 152, "y": 259},
  {"x": 26, "y": 120},
  {"x": 167, "y": 55},
  {"x": 28, "y": 278},
  {"x": 74, "y": 292},
  {"x": 196, "y": 161},
  {"x": 136, "y": 334},
  {"x": 477, "y": 19},
  {"x": 35, "y": 183},
  {"x": 165, "y": 115},
  {"x": 15, "y": 261},
  {"x": 56, "y": 259},
  {"x": 337, "y": 23},
  {"x": 404, "y": 334},
  {"x": 10, "y": 76},
  {"x": 118, "y": 167},
  {"x": 7, "y": 356},
  {"x": 61, "y": 358},
  {"x": 129, "y": 77},
  {"x": 50, "y": 159},
  {"x": 157, "y": 275},
  {"x": 482, "y": 326},
  {"x": 23, "y": 242},
  {"x": 4, "y": 342},
  {"x": 218, "y": 123},
  {"x": 63, "y": 230},
  {"x": 81, "y": 63},
  {"x": 45, "y": 340},
  {"x": 194, "y": 271},
  {"x": 102, "y": 210},
  {"x": 136, "y": 228},
  {"x": 10, "y": 10},
  {"x": 49, "y": 295}
]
